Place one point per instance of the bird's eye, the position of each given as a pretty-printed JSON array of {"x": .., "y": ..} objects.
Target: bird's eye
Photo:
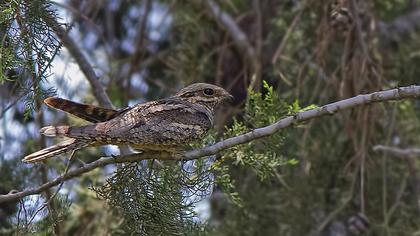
[{"x": 208, "y": 91}]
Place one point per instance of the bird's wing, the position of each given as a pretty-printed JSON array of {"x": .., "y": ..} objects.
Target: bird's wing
[
  {"x": 90, "y": 113},
  {"x": 158, "y": 122}
]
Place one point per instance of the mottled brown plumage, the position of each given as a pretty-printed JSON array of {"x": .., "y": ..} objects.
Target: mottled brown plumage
[{"x": 167, "y": 124}]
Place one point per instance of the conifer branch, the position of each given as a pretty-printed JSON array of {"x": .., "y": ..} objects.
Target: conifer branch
[{"x": 329, "y": 109}]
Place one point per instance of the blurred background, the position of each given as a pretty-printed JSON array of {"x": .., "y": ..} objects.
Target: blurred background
[{"x": 331, "y": 180}]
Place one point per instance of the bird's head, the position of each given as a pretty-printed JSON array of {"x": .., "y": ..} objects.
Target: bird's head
[{"x": 204, "y": 94}]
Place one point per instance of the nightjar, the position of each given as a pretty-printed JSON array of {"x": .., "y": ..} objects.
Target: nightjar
[{"x": 163, "y": 125}]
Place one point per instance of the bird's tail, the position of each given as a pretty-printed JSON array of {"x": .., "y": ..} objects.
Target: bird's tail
[
  {"x": 53, "y": 131},
  {"x": 63, "y": 147},
  {"x": 87, "y": 132}
]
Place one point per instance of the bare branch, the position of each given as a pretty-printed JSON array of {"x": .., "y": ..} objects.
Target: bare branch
[
  {"x": 13, "y": 196},
  {"x": 82, "y": 61},
  {"x": 399, "y": 152},
  {"x": 329, "y": 109}
]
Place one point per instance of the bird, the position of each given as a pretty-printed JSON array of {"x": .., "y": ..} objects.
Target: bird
[{"x": 168, "y": 124}]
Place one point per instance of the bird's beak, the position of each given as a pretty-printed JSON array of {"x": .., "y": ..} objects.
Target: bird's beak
[{"x": 227, "y": 96}]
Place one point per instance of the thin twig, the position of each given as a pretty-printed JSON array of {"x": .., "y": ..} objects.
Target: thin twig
[
  {"x": 234, "y": 31},
  {"x": 286, "y": 36},
  {"x": 397, "y": 202},
  {"x": 138, "y": 51},
  {"x": 391, "y": 129},
  {"x": 329, "y": 109},
  {"x": 48, "y": 201},
  {"x": 399, "y": 152}
]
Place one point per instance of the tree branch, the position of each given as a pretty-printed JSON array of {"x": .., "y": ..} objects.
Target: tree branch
[
  {"x": 97, "y": 88},
  {"x": 399, "y": 152},
  {"x": 329, "y": 109}
]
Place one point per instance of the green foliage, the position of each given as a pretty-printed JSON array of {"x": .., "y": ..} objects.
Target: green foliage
[
  {"x": 28, "y": 46},
  {"x": 262, "y": 156},
  {"x": 157, "y": 198},
  {"x": 224, "y": 180},
  {"x": 8, "y": 62}
]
